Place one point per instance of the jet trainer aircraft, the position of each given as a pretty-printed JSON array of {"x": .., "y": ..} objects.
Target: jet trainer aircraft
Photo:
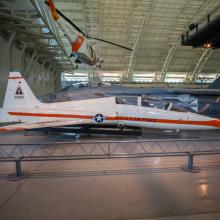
[{"x": 21, "y": 106}]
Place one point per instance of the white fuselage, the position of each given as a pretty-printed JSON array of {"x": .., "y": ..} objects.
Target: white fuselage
[{"x": 127, "y": 115}]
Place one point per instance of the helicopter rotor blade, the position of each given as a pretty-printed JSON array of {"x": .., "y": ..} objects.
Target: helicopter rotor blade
[
  {"x": 109, "y": 42},
  {"x": 69, "y": 21},
  {"x": 94, "y": 38}
]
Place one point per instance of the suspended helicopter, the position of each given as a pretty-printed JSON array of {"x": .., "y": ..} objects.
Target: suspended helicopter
[{"x": 82, "y": 45}]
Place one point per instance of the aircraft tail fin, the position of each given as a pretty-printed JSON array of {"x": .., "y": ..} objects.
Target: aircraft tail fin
[
  {"x": 18, "y": 93},
  {"x": 215, "y": 84}
]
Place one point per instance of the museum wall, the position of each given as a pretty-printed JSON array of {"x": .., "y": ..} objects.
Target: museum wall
[{"x": 12, "y": 60}]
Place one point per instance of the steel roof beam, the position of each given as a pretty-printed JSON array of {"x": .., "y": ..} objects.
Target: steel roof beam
[
  {"x": 168, "y": 60},
  {"x": 134, "y": 47},
  {"x": 13, "y": 17},
  {"x": 200, "y": 64},
  {"x": 173, "y": 48},
  {"x": 9, "y": 26}
]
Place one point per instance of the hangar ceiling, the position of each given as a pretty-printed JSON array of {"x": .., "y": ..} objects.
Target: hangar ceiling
[
  {"x": 22, "y": 24},
  {"x": 151, "y": 27}
]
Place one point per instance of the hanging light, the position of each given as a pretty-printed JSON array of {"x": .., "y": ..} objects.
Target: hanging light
[{"x": 207, "y": 45}]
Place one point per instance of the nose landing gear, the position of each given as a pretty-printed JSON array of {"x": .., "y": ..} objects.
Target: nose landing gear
[{"x": 120, "y": 126}]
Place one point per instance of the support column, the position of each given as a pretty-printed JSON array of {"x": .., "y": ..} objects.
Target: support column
[
  {"x": 11, "y": 39},
  {"x": 18, "y": 167},
  {"x": 23, "y": 49},
  {"x": 190, "y": 167}
]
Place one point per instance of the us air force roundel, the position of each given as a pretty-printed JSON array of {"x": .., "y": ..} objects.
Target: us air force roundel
[{"x": 99, "y": 118}]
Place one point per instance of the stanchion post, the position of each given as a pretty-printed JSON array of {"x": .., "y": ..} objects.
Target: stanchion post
[
  {"x": 18, "y": 167},
  {"x": 190, "y": 167},
  {"x": 18, "y": 175},
  {"x": 190, "y": 161}
]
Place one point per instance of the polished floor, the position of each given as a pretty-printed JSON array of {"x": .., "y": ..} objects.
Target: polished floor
[{"x": 135, "y": 188}]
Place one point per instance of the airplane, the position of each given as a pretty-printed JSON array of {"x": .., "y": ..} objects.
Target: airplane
[
  {"x": 77, "y": 85},
  {"x": 21, "y": 106},
  {"x": 201, "y": 101},
  {"x": 83, "y": 46}
]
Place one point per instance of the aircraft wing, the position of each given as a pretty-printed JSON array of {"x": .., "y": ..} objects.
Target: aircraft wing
[
  {"x": 100, "y": 94},
  {"x": 42, "y": 124},
  {"x": 198, "y": 92},
  {"x": 205, "y": 92}
]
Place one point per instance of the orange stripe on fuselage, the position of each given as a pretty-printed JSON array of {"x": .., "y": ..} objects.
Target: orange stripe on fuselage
[
  {"x": 49, "y": 115},
  {"x": 15, "y": 77},
  {"x": 213, "y": 123},
  {"x": 15, "y": 129}
]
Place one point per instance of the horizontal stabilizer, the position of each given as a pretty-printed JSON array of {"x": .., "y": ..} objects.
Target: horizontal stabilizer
[{"x": 215, "y": 84}]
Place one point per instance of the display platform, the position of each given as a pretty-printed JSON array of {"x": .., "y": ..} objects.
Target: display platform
[
  {"x": 116, "y": 188},
  {"x": 111, "y": 189}
]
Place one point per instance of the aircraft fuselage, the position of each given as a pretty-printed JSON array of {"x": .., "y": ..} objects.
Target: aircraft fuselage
[{"x": 105, "y": 111}]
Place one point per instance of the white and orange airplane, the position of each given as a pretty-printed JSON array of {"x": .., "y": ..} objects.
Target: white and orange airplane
[{"x": 21, "y": 106}]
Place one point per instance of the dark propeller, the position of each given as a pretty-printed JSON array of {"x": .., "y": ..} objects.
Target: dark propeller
[{"x": 89, "y": 37}]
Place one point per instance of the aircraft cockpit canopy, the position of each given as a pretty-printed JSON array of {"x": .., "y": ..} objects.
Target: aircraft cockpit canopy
[{"x": 145, "y": 102}]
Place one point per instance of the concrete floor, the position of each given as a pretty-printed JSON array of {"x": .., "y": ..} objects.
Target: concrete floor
[{"x": 137, "y": 188}]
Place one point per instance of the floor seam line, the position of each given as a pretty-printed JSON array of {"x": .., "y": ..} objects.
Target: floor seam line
[{"x": 19, "y": 187}]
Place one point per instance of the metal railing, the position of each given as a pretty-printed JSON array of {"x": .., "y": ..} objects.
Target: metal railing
[
  {"x": 108, "y": 149},
  {"x": 113, "y": 148}
]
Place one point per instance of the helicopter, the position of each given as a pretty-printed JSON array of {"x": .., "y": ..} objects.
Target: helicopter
[{"x": 82, "y": 45}]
